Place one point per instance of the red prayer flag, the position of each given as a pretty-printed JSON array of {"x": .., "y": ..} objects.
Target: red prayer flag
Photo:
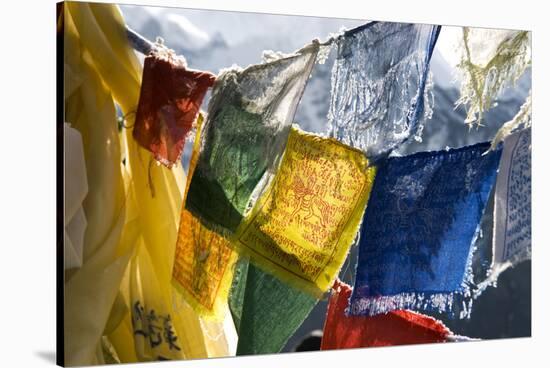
[
  {"x": 401, "y": 327},
  {"x": 169, "y": 101}
]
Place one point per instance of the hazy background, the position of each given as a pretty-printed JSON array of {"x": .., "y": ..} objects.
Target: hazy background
[{"x": 213, "y": 40}]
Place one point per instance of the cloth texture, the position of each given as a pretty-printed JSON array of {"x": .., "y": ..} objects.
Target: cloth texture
[
  {"x": 91, "y": 290},
  {"x": 266, "y": 311},
  {"x": 204, "y": 260},
  {"x": 378, "y": 85},
  {"x": 132, "y": 209},
  {"x": 302, "y": 227},
  {"x": 249, "y": 117},
  {"x": 512, "y": 214},
  {"x": 400, "y": 327},
  {"x": 490, "y": 61},
  {"x": 76, "y": 188},
  {"x": 419, "y": 228},
  {"x": 169, "y": 101}
]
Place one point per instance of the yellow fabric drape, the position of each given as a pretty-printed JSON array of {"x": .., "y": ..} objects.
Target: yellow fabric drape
[
  {"x": 111, "y": 233},
  {"x": 133, "y": 208}
]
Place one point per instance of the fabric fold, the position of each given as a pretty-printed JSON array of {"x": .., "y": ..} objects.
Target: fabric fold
[
  {"x": 148, "y": 203},
  {"x": 90, "y": 290},
  {"x": 76, "y": 189}
]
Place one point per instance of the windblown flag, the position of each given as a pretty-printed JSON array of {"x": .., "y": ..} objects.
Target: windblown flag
[
  {"x": 418, "y": 229},
  {"x": 266, "y": 311},
  {"x": 378, "y": 84},
  {"x": 400, "y": 327},
  {"x": 249, "y": 117},
  {"x": 301, "y": 229},
  {"x": 490, "y": 61},
  {"x": 512, "y": 216},
  {"x": 169, "y": 101},
  {"x": 204, "y": 260}
]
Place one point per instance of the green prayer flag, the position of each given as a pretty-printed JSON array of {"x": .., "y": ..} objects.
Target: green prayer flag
[
  {"x": 249, "y": 118},
  {"x": 267, "y": 311}
]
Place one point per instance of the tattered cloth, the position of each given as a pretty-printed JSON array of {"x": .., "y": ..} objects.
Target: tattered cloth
[
  {"x": 419, "y": 229},
  {"x": 400, "y": 327},
  {"x": 249, "y": 117},
  {"x": 169, "y": 101},
  {"x": 490, "y": 61},
  {"x": 301, "y": 229},
  {"x": 378, "y": 84}
]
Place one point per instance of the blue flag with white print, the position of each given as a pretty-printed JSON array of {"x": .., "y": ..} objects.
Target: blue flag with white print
[{"x": 419, "y": 228}]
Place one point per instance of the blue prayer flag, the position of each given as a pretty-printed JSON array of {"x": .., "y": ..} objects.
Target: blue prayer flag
[{"x": 419, "y": 228}]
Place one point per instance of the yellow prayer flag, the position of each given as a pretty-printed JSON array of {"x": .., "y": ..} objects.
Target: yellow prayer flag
[
  {"x": 204, "y": 261},
  {"x": 302, "y": 227}
]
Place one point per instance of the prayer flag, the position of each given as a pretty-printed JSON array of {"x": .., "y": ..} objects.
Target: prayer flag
[
  {"x": 512, "y": 216},
  {"x": 301, "y": 229},
  {"x": 401, "y": 327},
  {"x": 204, "y": 260},
  {"x": 267, "y": 311},
  {"x": 418, "y": 230},
  {"x": 169, "y": 101},
  {"x": 378, "y": 84},
  {"x": 249, "y": 117}
]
